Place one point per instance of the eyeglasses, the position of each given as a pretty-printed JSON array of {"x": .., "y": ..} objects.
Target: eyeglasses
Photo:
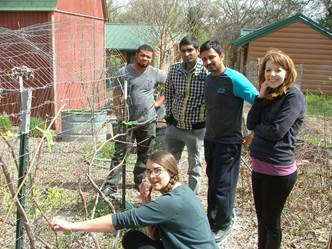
[{"x": 154, "y": 171}]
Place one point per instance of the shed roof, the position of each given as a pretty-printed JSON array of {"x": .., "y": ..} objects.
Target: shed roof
[
  {"x": 32, "y": 5},
  {"x": 127, "y": 37},
  {"x": 278, "y": 25}
]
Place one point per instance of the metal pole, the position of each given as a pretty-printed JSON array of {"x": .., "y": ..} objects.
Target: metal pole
[
  {"x": 21, "y": 73},
  {"x": 124, "y": 166},
  {"x": 23, "y": 159}
]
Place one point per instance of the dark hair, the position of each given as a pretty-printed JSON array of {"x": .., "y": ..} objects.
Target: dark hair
[
  {"x": 214, "y": 44},
  {"x": 283, "y": 60},
  {"x": 144, "y": 47},
  {"x": 189, "y": 40},
  {"x": 169, "y": 163}
]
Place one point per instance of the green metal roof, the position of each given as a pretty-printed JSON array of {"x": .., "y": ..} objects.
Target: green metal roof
[
  {"x": 127, "y": 37},
  {"x": 32, "y": 5},
  {"x": 278, "y": 25}
]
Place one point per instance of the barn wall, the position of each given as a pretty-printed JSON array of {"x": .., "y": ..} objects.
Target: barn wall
[
  {"x": 79, "y": 60},
  {"x": 26, "y": 41},
  {"x": 19, "y": 19}
]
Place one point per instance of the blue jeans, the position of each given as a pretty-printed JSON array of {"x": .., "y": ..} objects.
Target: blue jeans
[
  {"x": 176, "y": 139},
  {"x": 222, "y": 169},
  {"x": 270, "y": 195}
]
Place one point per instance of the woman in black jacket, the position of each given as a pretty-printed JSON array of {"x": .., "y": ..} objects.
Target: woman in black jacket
[{"x": 275, "y": 117}]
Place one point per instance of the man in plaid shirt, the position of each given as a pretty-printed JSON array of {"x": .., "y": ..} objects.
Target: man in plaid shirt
[{"x": 185, "y": 109}]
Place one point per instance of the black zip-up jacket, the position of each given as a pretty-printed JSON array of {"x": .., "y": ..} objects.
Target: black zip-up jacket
[{"x": 275, "y": 124}]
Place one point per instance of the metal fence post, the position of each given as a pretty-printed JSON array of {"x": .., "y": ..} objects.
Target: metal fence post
[{"x": 26, "y": 96}]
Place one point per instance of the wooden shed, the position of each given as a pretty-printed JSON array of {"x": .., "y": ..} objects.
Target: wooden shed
[
  {"x": 308, "y": 43},
  {"x": 63, "y": 42}
]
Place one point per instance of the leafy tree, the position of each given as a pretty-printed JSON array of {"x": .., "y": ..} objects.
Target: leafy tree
[
  {"x": 194, "y": 20},
  {"x": 326, "y": 21}
]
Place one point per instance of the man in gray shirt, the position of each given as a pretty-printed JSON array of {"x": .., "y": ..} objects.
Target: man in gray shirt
[{"x": 140, "y": 111}]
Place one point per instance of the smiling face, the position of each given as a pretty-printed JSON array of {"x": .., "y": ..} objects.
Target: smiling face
[
  {"x": 144, "y": 58},
  {"x": 274, "y": 74},
  {"x": 157, "y": 175},
  {"x": 213, "y": 61}
]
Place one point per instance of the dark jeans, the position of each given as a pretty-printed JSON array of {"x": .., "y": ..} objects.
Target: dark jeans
[
  {"x": 137, "y": 240},
  {"x": 270, "y": 194},
  {"x": 222, "y": 168},
  {"x": 145, "y": 138}
]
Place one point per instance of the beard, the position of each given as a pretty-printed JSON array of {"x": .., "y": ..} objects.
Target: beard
[{"x": 143, "y": 65}]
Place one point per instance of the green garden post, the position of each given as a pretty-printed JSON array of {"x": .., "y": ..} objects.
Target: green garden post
[{"x": 26, "y": 96}]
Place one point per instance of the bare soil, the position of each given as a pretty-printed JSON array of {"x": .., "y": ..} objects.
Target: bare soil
[{"x": 306, "y": 220}]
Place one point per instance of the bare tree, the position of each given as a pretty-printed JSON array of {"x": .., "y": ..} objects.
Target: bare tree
[
  {"x": 227, "y": 17},
  {"x": 167, "y": 22}
]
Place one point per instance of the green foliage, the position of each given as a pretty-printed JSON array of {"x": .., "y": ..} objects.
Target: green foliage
[
  {"x": 6, "y": 201},
  {"x": 129, "y": 124},
  {"x": 52, "y": 199},
  {"x": 319, "y": 105},
  {"x": 5, "y": 122},
  {"x": 48, "y": 136},
  {"x": 160, "y": 89},
  {"x": 34, "y": 123},
  {"x": 8, "y": 134},
  {"x": 102, "y": 208},
  {"x": 107, "y": 151},
  {"x": 113, "y": 64},
  {"x": 58, "y": 198},
  {"x": 327, "y": 22},
  {"x": 321, "y": 142}
]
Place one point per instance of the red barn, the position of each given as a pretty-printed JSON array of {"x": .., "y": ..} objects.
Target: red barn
[{"x": 63, "y": 42}]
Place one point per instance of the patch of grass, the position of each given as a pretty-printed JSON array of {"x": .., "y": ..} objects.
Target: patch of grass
[
  {"x": 321, "y": 142},
  {"x": 319, "y": 104},
  {"x": 5, "y": 122},
  {"x": 6, "y": 202},
  {"x": 34, "y": 123},
  {"x": 52, "y": 199},
  {"x": 101, "y": 209},
  {"x": 107, "y": 151}
]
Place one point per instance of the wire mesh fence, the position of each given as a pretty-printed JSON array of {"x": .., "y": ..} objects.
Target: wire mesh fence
[{"x": 64, "y": 66}]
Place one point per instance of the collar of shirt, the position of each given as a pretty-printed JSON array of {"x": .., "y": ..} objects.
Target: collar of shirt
[{"x": 196, "y": 69}]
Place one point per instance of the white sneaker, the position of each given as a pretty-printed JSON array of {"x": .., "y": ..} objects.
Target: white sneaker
[{"x": 221, "y": 235}]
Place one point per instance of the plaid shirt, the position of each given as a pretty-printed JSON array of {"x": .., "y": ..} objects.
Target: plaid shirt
[{"x": 185, "y": 95}]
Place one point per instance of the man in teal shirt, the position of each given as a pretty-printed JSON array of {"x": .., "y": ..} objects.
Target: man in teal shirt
[{"x": 225, "y": 92}]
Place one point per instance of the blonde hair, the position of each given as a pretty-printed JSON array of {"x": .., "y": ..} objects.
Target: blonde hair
[{"x": 283, "y": 60}]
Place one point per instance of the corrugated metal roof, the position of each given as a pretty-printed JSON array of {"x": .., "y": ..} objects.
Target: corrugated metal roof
[
  {"x": 275, "y": 26},
  {"x": 32, "y": 5},
  {"x": 127, "y": 37}
]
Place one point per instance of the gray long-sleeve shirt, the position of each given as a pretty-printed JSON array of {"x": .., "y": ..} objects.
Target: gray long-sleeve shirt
[{"x": 179, "y": 215}]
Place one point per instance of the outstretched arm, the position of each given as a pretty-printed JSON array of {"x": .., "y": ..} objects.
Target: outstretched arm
[{"x": 101, "y": 224}]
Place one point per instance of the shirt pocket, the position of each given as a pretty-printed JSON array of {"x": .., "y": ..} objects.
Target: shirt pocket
[{"x": 149, "y": 85}]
